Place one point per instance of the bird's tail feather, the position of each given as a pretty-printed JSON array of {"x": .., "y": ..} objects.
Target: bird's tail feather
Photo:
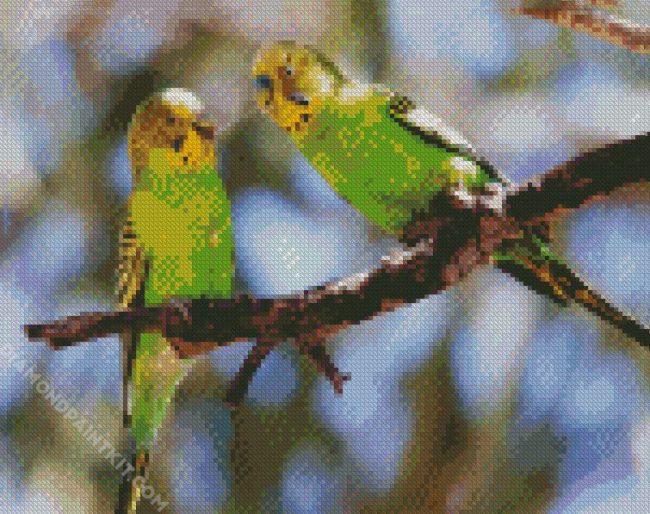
[
  {"x": 132, "y": 483},
  {"x": 531, "y": 263}
]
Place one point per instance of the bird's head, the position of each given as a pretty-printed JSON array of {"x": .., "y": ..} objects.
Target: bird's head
[
  {"x": 291, "y": 83},
  {"x": 170, "y": 121}
]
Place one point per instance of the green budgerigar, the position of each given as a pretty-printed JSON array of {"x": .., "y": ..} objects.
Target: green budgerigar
[
  {"x": 389, "y": 158},
  {"x": 176, "y": 243}
]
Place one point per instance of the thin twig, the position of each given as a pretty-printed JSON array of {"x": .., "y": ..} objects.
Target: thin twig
[
  {"x": 605, "y": 4},
  {"x": 605, "y": 26}
]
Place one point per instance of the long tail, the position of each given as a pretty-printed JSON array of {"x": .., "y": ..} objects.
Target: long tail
[
  {"x": 156, "y": 370},
  {"x": 128, "y": 490},
  {"x": 132, "y": 483},
  {"x": 530, "y": 262}
]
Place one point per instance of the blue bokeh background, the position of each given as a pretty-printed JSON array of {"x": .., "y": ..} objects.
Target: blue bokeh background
[{"x": 484, "y": 398}]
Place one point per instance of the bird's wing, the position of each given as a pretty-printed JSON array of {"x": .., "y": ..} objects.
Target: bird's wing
[
  {"x": 131, "y": 275},
  {"x": 131, "y": 269},
  {"x": 434, "y": 131}
]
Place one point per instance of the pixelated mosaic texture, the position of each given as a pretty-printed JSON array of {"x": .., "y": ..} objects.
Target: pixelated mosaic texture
[{"x": 486, "y": 398}]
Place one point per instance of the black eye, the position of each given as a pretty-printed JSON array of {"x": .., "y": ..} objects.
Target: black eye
[
  {"x": 299, "y": 98},
  {"x": 263, "y": 82}
]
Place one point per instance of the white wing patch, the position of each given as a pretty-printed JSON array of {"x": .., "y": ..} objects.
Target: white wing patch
[
  {"x": 427, "y": 122},
  {"x": 433, "y": 129}
]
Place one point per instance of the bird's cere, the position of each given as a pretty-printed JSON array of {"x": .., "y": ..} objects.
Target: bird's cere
[{"x": 180, "y": 97}]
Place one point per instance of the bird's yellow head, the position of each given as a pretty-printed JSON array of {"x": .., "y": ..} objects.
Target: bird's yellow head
[
  {"x": 292, "y": 82},
  {"x": 170, "y": 121}
]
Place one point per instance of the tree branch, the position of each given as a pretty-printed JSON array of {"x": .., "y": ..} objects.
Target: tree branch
[
  {"x": 456, "y": 240},
  {"x": 589, "y": 176},
  {"x": 459, "y": 239},
  {"x": 601, "y": 25}
]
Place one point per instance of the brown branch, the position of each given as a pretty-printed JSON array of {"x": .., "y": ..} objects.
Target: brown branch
[
  {"x": 635, "y": 38},
  {"x": 75, "y": 329},
  {"x": 589, "y": 176},
  {"x": 457, "y": 240}
]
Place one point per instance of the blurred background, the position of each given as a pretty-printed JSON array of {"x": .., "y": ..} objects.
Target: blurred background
[{"x": 483, "y": 399}]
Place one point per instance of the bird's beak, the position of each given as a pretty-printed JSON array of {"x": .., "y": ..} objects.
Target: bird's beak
[{"x": 204, "y": 130}]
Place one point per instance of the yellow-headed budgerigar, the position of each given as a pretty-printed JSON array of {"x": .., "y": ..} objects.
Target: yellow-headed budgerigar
[
  {"x": 389, "y": 159},
  {"x": 176, "y": 243}
]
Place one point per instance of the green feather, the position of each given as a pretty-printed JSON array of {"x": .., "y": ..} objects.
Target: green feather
[
  {"x": 182, "y": 223},
  {"x": 384, "y": 170},
  {"x": 370, "y": 147}
]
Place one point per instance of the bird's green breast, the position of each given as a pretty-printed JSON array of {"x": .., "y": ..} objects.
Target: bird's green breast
[
  {"x": 381, "y": 168},
  {"x": 182, "y": 220}
]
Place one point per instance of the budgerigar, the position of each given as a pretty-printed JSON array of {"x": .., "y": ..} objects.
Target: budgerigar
[
  {"x": 389, "y": 159},
  {"x": 176, "y": 243}
]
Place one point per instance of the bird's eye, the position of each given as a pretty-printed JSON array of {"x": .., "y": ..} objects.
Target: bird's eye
[
  {"x": 171, "y": 120},
  {"x": 299, "y": 98},
  {"x": 263, "y": 82},
  {"x": 289, "y": 71},
  {"x": 178, "y": 144}
]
